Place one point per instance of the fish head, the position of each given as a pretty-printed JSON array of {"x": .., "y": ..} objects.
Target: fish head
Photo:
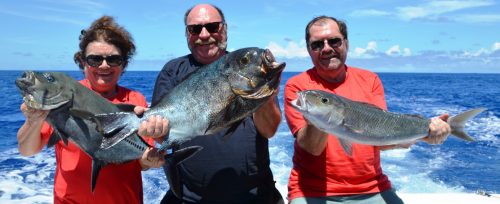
[
  {"x": 319, "y": 107},
  {"x": 254, "y": 72},
  {"x": 44, "y": 90}
]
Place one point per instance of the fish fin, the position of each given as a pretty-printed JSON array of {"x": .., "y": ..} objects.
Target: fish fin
[
  {"x": 118, "y": 135},
  {"x": 346, "y": 145},
  {"x": 96, "y": 168},
  {"x": 55, "y": 137},
  {"x": 231, "y": 130},
  {"x": 125, "y": 107},
  {"x": 457, "y": 123},
  {"x": 416, "y": 116},
  {"x": 171, "y": 171},
  {"x": 370, "y": 105},
  {"x": 113, "y": 126}
]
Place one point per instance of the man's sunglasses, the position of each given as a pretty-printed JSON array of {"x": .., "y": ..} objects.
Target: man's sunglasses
[
  {"x": 320, "y": 44},
  {"x": 196, "y": 29},
  {"x": 111, "y": 60}
]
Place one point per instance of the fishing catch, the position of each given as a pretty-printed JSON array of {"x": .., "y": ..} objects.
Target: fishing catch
[
  {"x": 364, "y": 123},
  {"x": 212, "y": 98},
  {"x": 60, "y": 94}
]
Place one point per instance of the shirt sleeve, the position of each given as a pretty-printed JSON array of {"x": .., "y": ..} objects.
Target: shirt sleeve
[
  {"x": 46, "y": 132},
  {"x": 294, "y": 118}
]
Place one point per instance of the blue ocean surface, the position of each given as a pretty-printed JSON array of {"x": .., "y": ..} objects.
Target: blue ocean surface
[{"x": 455, "y": 166}]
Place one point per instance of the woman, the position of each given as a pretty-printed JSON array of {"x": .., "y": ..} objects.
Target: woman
[{"x": 105, "y": 50}]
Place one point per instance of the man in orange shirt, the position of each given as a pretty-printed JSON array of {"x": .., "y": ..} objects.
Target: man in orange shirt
[{"x": 322, "y": 172}]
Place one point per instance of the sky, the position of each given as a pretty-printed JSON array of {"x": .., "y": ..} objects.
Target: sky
[{"x": 384, "y": 35}]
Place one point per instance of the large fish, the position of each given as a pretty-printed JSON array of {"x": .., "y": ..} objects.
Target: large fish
[
  {"x": 363, "y": 123},
  {"x": 212, "y": 98},
  {"x": 60, "y": 93}
]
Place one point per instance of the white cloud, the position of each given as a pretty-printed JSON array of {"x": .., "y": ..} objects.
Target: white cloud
[
  {"x": 365, "y": 53},
  {"x": 369, "y": 12},
  {"x": 496, "y": 46},
  {"x": 478, "y": 18},
  {"x": 433, "y": 9},
  {"x": 396, "y": 51},
  {"x": 292, "y": 49}
]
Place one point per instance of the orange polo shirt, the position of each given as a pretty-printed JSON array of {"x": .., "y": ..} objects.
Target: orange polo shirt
[
  {"x": 333, "y": 172},
  {"x": 117, "y": 183}
]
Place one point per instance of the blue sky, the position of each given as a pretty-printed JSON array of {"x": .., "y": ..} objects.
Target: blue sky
[{"x": 384, "y": 35}]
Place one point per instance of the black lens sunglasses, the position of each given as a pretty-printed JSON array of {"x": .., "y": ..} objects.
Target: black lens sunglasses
[
  {"x": 320, "y": 44},
  {"x": 196, "y": 28},
  {"x": 111, "y": 60}
]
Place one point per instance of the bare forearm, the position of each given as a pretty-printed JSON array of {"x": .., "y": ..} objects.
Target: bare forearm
[
  {"x": 29, "y": 139},
  {"x": 312, "y": 140},
  {"x": 267, "y": 118}
]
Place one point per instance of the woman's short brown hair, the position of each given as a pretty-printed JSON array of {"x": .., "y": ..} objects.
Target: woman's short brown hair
[{"x": 107, "y": 30}]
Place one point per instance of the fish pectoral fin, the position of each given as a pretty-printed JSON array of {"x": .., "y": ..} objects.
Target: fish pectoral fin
[
  {"x": 55, "y": 137},
  {"x": 96, "y": 168},
  {"x": 231, "y": 130},
  {"x": 346, "y": 145},
  {"x": 351, "y": 128},
  {"x": 119, "y": 135}
]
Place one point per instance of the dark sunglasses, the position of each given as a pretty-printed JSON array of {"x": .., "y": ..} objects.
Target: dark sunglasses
[
  {"x": 196, "y": 29},
  {"x": 320, "y": 44},
  {"x": 111, "y": 60}
]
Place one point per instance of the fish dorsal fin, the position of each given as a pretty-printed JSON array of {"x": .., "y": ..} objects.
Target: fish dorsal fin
[
  {"x": 346, "y": 145},
  {"x": 370, "y": 105},
  {"x": 416, "y": 116},
  {"x": 125, "y": 107},
  {"x": 96, "y": 168}
]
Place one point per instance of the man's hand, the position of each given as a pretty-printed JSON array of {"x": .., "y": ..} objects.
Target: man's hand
[
  {"x": 151, "y": 159},
  {"x": 438, "y": 130},
  {"x": 154, "y": 127}
]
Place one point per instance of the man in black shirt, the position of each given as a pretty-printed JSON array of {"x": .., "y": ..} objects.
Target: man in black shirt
[{"x": 232, "y": 169}]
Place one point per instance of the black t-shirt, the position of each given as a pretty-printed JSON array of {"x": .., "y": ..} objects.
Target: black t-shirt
[{"x": 229, "y": 168}]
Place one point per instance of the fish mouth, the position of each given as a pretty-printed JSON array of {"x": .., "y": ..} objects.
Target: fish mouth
[
  {"x": 27, "y": 85},
  {"x": 269, "y": 66},
  {"x": 300, "y": 102}
]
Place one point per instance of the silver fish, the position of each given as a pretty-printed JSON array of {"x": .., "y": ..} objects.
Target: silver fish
[
  {"x": 212, "y": 98},
  {"x": 363, "y": 123},
  {"x": 60, "y": 94}
]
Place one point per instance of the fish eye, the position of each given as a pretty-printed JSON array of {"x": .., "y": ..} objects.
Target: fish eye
[
  {"x": 49, "y": 77},
  {"x": 245, "y": 60},
  {"x": 324, "y": 100}
]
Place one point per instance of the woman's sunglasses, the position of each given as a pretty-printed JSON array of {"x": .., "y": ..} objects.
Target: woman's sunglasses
[
  {"x": 196, "y": 29},
  {"x": 111, "y": 60},
  {"x": 320, "y": 44}
]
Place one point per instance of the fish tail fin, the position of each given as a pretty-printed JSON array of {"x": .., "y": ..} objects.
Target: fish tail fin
[
  {"x": 171, "y": 162},
  {"x": 113, "y": 126},
  {"x": 457, "y": 123},
  {"x": 96, "y": 168}
]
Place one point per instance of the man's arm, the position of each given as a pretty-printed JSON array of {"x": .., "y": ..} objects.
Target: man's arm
[{"x": 268, "y": 117}]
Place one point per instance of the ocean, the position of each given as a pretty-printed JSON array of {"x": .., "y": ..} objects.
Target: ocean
[{"x": 455, "y": 166}]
